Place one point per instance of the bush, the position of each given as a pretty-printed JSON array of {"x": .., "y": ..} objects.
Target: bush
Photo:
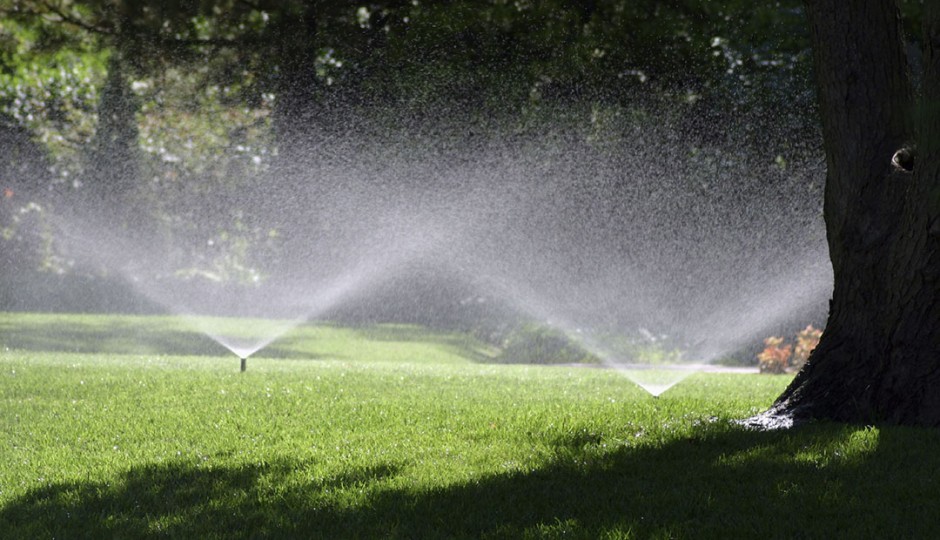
[
  {"x": 806, "y": 341},
  {"x": 778, "y": 356},
  {"x": 533, "y": 344},
  {"x": 775, "y": 356}
]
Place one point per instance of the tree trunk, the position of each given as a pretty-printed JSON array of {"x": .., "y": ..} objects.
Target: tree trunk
[
  {"x": 879, "y": 357},
  {"x": 299, "y": 119},
  {"x": 298, "y": 108},
  {"x": 113, "y": 169}
]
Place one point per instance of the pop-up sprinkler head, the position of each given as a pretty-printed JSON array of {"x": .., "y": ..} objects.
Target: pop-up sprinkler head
[{"x": 244, "y": 364}]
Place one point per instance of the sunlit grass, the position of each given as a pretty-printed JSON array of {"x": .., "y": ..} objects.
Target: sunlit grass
[{"x": 423, "y": 441}]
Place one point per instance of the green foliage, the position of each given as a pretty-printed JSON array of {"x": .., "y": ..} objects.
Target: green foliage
[
  {"x": 28, "y": 238},
  {"x": 656, "y": 354},
  {"x": 49, "y": 86},
  {"x": 536, "y": 344}
]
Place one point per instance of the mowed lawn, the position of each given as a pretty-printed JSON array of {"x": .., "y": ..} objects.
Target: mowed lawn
[{"x": 140, "y": 428}]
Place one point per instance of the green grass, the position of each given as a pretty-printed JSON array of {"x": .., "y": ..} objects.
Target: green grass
[{"x": 404, "y": 433}]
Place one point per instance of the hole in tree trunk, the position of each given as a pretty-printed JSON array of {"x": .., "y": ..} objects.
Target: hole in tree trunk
[{"x": 904, "y": 159}]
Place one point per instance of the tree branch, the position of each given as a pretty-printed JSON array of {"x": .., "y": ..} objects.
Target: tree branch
[
  {"x": 60, "y": 16},
  {"x": 69, "y": 19},
  {"x": 252, "y": 5}
]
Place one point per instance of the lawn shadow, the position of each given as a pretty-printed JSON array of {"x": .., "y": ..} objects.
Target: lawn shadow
[
  {"x": 123, "y": 335},
  {"x": 182, "y": 500},
  {"x": 721, "y": 483}
]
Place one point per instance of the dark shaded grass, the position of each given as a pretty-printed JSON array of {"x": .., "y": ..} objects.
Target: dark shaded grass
[
  {"x": 170, "y": 336},
  {"x": 83, "y": 334},
  {"x": 720, "y": 482}
]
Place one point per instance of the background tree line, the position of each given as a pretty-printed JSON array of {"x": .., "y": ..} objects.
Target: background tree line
[{"x": 143, "y": 108}]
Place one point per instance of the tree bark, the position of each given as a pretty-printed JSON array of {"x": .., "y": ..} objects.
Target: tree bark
[
  {"x": 298, "y": 118},
  {"x": 879, "y": 357},
  {"x": 113, "y": 170}
]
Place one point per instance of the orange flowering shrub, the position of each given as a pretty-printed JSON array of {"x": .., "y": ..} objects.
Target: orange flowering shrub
[
  {"x": 806, "y": 341},
  {"x": 775, "y": 356}
]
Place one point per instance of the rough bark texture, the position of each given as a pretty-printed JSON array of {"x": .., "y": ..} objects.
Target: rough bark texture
[
  {"x": 298, "y": 108},
  {"x": 112, "y": 169},
  {"x": 879, "y": 358},
  {"x": 300, "y": 117}
]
